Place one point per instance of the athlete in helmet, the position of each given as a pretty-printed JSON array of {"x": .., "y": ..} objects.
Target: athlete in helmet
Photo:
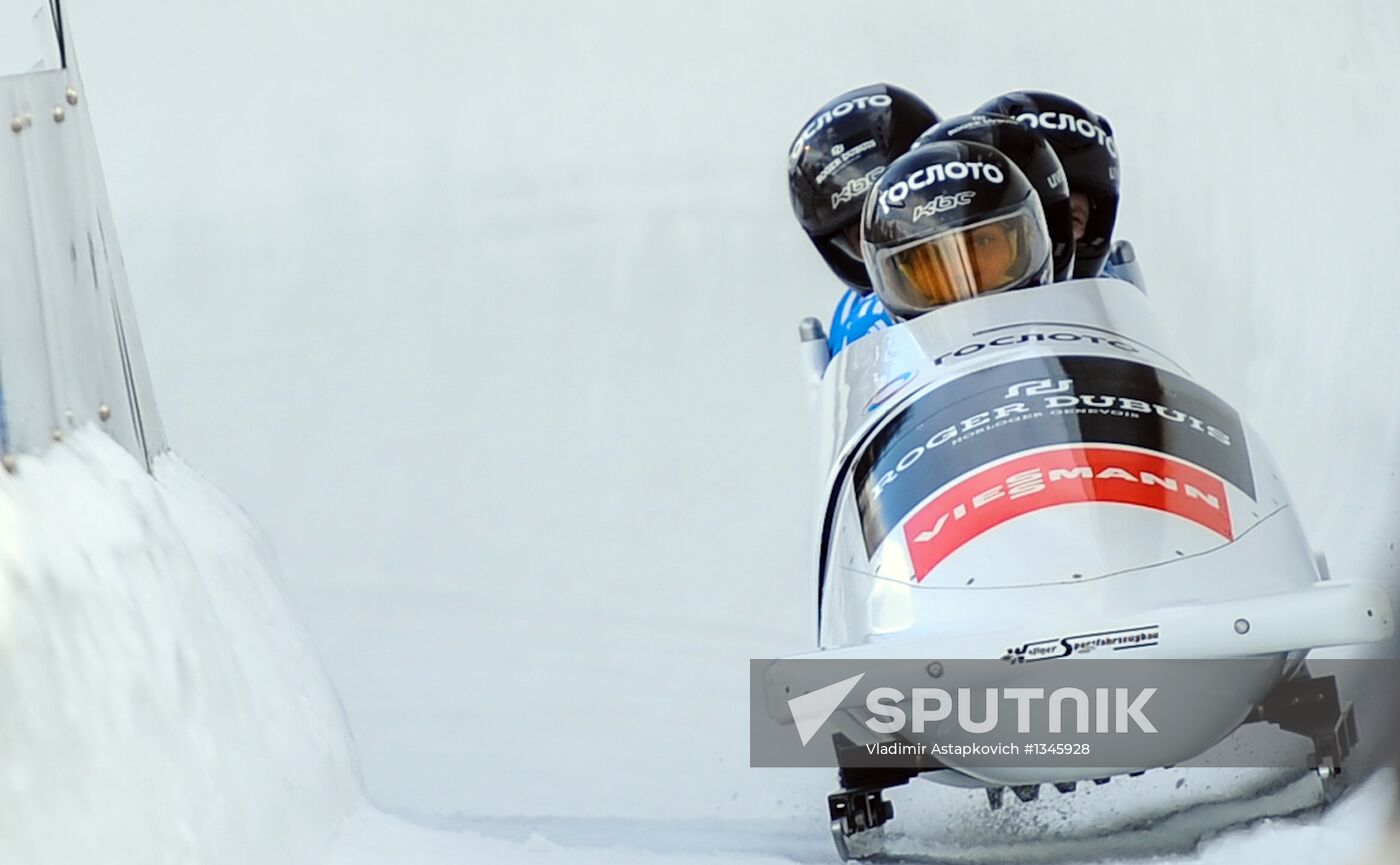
[
  {"x": 952, "y": 221},
  {"x": 835, "y": 160},
  {"x": 1084, "y": 142},
  {"x": 1036, "y": 159}
]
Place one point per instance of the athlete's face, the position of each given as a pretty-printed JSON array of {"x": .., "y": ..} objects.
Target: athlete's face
[
  {"x": 1079, "y": 213},
  {"x": 993, "y": 253}
]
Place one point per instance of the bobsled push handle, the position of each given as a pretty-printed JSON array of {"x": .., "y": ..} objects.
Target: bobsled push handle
[{"x": 816, "y": 354}]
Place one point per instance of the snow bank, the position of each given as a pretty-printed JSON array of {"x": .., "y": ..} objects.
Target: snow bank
[{"x": 157, "y": 700}]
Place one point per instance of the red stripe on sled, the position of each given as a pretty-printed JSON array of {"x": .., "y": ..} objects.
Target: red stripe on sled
[{"x": 1060, "y": 477}]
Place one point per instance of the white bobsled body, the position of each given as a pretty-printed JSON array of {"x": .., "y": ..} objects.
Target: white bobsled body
[{"x": 1034, "y": 475}]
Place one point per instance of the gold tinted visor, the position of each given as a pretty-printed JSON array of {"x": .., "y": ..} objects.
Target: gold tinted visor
[{"x": 965, "y": 262}]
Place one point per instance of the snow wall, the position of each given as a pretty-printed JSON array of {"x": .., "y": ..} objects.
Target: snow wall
[
  {"x": 161, "y": 704},
  {"x": 158, "y": 699}
]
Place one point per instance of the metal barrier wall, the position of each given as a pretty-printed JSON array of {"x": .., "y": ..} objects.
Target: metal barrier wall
[{"x": 70, "y": 351}]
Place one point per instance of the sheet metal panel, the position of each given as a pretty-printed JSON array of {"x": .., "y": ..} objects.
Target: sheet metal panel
[{"x": 70, "y": 349}]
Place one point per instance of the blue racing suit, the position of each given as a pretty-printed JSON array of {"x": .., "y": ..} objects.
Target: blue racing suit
[{"x": 856, "y": 315}]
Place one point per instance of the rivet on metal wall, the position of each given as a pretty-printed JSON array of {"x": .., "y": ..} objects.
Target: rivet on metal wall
[
  {"x": 69, "y": 416},
  {"x": 57, "y": 435},
  {"x": 8, "y": 461},
  {"x": 104, "y": 411},
  {"x": 58, "y": 114},
  {"x": 18, "y": 122},
  {"x": 72, "y": 96}
]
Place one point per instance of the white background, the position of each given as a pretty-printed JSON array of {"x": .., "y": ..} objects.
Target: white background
[{"x": 487, "y": 314}]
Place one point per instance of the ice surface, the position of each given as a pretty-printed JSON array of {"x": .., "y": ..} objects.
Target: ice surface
[
  {"x": 1347, "y": 835},
  {"x": 488, "y": 315}
]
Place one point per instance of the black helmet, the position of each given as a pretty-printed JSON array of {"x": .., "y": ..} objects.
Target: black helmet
[
  {"x": 1036, "y": 159},
  {"x": 951, "y": 221},
  {"x": 836, "y": 159},
  {"x": 1084, "y": 142}
]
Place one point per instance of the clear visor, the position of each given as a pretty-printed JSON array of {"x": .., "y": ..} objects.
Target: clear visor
[{"x": 965, "y": 262}]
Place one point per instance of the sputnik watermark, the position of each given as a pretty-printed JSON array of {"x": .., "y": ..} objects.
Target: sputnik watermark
[
  {"x": 999, "y": 749},
  {"x": 1086, "y": 713},
  {"x": 935, "y": 705},
  {"x": 1113, "y": 710},
  {"x": 811, "y": 711}
]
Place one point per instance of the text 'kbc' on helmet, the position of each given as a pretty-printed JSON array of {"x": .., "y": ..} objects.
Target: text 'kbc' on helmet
[
  {"x": 836, "y": 158},
  {"x": 952, "y": 221},
  {"x": 1084, "y": 142},
  {"x": 1036, "y": 159}
]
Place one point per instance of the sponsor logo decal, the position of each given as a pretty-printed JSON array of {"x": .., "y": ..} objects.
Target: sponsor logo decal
[
  {"x": 943, "y": 203},
  {"x": 1061, "y": 122},
  {"x": 857, "y": 186},
  {"x": 825, "y": 119},
  {"x": 983, "y": 417},
  {"x": 841, "y": 157},
  {"x": 1057, "y": 335},
  {"x": 1064, "y": 476},
  {"x": 888, "y": 391},
  {"x": 1122, "y": 639},
  {"x": 931, "y": 174},
  {"x": 977, "y": 121}
]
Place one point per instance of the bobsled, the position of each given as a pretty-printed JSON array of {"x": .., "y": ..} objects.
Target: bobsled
[{"x": 1034, "y": 476}]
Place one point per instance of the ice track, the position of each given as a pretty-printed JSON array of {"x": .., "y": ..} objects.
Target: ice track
[{"x": 480, "y": 384}]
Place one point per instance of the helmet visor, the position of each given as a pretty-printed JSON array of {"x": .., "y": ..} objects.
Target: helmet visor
[{"x": 965, "y": 262}]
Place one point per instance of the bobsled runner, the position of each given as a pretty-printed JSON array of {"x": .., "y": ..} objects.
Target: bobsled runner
[{"x": 1033, "y": 476}]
